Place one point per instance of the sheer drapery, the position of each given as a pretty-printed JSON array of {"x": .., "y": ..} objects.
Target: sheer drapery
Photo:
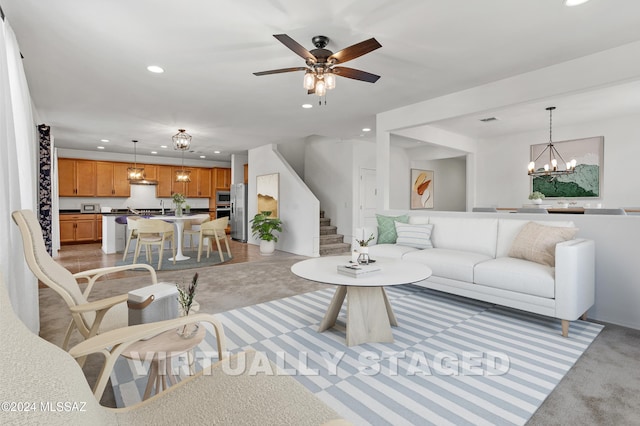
[{"x": 17, "y": 176}]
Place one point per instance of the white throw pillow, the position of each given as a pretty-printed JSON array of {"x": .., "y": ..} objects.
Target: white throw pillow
[{"x": 418, "y": 236}]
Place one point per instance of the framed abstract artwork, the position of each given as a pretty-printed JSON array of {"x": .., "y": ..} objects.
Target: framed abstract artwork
[
  {"x": 421, "y": 189},
  {"x": 268, "y": 187},
  {"x": 586, "y": 181}
]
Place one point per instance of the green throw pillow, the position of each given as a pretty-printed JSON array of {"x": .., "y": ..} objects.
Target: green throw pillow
[{"x": 387, "y": 228}]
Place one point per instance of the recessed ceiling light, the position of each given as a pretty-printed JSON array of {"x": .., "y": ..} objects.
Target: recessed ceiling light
[
  {"x": 307, "y": 106},
  {"x": 203, "y": 156},
  {"x": 163, "y": 146},
  {"x": 216, "y": 152},
  {"x": 154, "y": 152},
  {"x": 104, "y": 140},
  {"x": 571, "y": 3},
  {"x": 155, "y": 69},
  {"x": 101, "y": 147},
  {"x": 366, "y": 129}
]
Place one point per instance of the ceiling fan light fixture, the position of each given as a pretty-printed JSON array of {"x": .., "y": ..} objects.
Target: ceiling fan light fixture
[
  {"x": 181, "y": 140},
  {"x": 571, "y": 3},
  {"x": 330, "y": 80},
  {"x": 321, "y": 88},
  {"x": 309, "y": 80}
]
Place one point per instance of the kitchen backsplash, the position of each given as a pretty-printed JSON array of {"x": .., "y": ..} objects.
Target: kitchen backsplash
[{"x": 142, "y": 197}]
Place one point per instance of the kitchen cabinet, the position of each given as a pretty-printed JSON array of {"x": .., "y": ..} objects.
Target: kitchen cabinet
[
  {"x": 200, "y": 185},
  {"x": 150, "y": 171},
  {"x": 79, "y": 228},
  {"x": 76, "y": 178},
  {"x": 181, "y": 187},
  {"x": 165, "y": 181},
  {"x": 222, "y": 178},
  {"x": 111, "y": 179}
]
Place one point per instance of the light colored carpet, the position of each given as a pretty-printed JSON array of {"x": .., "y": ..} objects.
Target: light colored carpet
[
  {"x": 601, "y": 388},
  {"x": 453, "y": 361}
]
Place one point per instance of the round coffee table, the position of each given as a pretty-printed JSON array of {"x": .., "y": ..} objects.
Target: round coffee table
[{"x": 369, "y": 313}]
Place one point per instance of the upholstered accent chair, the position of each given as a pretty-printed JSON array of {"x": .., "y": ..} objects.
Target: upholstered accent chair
[
  {"x": 154, "y": 232},
  {"x": 35, "y": 371},
  {"x": 214, "y": 230},
  {"x": 89, "y": 318}
]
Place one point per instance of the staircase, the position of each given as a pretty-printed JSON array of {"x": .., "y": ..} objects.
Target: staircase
[{"x": 331, "y": 243}]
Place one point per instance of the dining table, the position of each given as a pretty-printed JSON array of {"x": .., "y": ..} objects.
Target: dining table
[{"x": 178, "y": 221}]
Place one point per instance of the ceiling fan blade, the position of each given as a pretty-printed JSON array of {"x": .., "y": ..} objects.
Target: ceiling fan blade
[
  {"x": 356, "y": 74},
  {"x": 281, "y": 70},
  {"x": 355, "y": 51},
  {"x": 295, "y": 47}
]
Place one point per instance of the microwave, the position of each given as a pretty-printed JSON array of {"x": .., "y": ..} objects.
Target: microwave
[
  {"x": 89, "y": 208},
  {"x": 223, "y": 198}
]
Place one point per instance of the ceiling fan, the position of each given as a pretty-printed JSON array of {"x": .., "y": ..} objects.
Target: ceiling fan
[{"x": 321, "y": 64}]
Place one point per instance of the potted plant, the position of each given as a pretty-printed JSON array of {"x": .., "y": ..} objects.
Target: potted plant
[
  {"x": 178, "y": 200},
  {"x": 536, "y": 197},
  {"x": 263, "y": 227},
  {"x": 363, "y": 251}
]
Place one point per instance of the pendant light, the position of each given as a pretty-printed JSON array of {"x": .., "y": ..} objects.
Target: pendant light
[
  {"x": 135, "y": 173},
  {"x": 552, "y": 167},
  {"x": 182, "y": 142}
]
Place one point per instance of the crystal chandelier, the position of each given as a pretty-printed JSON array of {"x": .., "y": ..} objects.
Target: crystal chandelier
[
  {"x": 182, "y": 142},
  {"x": 552, "y": 167},
  {"x": 135, "y": 172}
]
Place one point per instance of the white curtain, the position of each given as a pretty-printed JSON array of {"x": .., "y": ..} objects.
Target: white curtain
[{"x": 18, "y": 143}]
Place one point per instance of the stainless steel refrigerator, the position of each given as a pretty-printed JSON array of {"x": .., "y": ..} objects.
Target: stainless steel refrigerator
[{"x": 238, "y": 219}]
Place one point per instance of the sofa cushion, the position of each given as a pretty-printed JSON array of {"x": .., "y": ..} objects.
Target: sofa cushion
[
  {"x": 387, "y": 228},
  {"x": 537, "y": 242},
  {"x": 477, "y": 235},
  {"x": 508, "y": 229},
  {"x": 418, "y": 236},
  {"x": 392, "y": 251},
  {"x": 516, "y": 275},
  {"x": 418, "y": 220},
  {"x": 452, "y": 264}
]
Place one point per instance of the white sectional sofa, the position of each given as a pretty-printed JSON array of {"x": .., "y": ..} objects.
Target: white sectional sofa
[{"x": 470, "y": 257}]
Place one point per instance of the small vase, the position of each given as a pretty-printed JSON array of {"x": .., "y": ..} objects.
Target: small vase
[
  {"x": 188, "y": 330},
  {"x": 537, "y": 201},
  {"x": 363, "y": 257},
  {"x": 178, "y": 210}
]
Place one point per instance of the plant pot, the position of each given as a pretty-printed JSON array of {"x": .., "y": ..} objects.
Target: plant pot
[
  {"x": 537, "y": 201},
  {"x": 267, "y": 247}
]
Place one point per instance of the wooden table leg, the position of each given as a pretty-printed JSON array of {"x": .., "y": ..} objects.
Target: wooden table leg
[
  {"x": 333, "y": 310},
  {"x": 368, "y": 316},
  {"x": 153, "y": 376},
  {"x": 392, "y": 317}
]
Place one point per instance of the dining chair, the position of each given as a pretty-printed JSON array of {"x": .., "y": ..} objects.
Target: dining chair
[
  {"x": 617, "y": 212},
  {"x": 132, "y": 233},
  {"x": 154, "y": 232},
  {"x": 485, "y": 209},
  {"x": 191, "y": 229},
  {"x": 49, "y": 384},
  {"x": 89, "y": 318},
  {"x": 214, "y": 230},
  {"x": 535, "y": 210}
]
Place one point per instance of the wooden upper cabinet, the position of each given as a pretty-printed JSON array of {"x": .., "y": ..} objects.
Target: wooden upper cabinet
[
  {"x": 165, "y": 178},
  {"x": 76, "y": 178},
  {"x": 150, "y": 171},
  {"x": 200, "y": 185},
  {"x": 222, "y": 178},
  {"x": 111, "y": 179},
  {"x": 246, "y": 173}
]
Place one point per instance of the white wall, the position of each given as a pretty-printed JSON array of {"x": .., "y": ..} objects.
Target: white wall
[
  {"x": 329, "y": 174},
  {"x": 237, "y": 167},
  {"x": 502, "y": 180},
  {"x": 449, "y": 182},
  {"x": 294, "y": 153},
  {"x": 145, "y": 159},
  {"x": 299, "y": 208}
]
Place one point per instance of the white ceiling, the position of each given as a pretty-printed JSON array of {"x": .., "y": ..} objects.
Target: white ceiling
[{"x": 86, "y": 65}]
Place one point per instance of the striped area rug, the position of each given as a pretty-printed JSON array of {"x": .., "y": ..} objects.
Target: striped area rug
[{"x": 454, "y": 360}]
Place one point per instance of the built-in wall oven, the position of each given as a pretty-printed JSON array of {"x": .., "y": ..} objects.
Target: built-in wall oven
[{"x": 223, "y": 212}]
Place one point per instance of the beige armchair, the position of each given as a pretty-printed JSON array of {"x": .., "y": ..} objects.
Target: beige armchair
[
  {"x": 214, "y": 230},
  {"x": 39, "y": 376},
  {"x": 154, "y": 232},
  {"x": 89, "y": 318}
]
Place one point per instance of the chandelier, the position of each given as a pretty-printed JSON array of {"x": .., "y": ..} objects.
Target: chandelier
[
  {"x": 135, "y": 172},
  {"x": 553, "y": 167},
  {"x": 182, "y": 142}
]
